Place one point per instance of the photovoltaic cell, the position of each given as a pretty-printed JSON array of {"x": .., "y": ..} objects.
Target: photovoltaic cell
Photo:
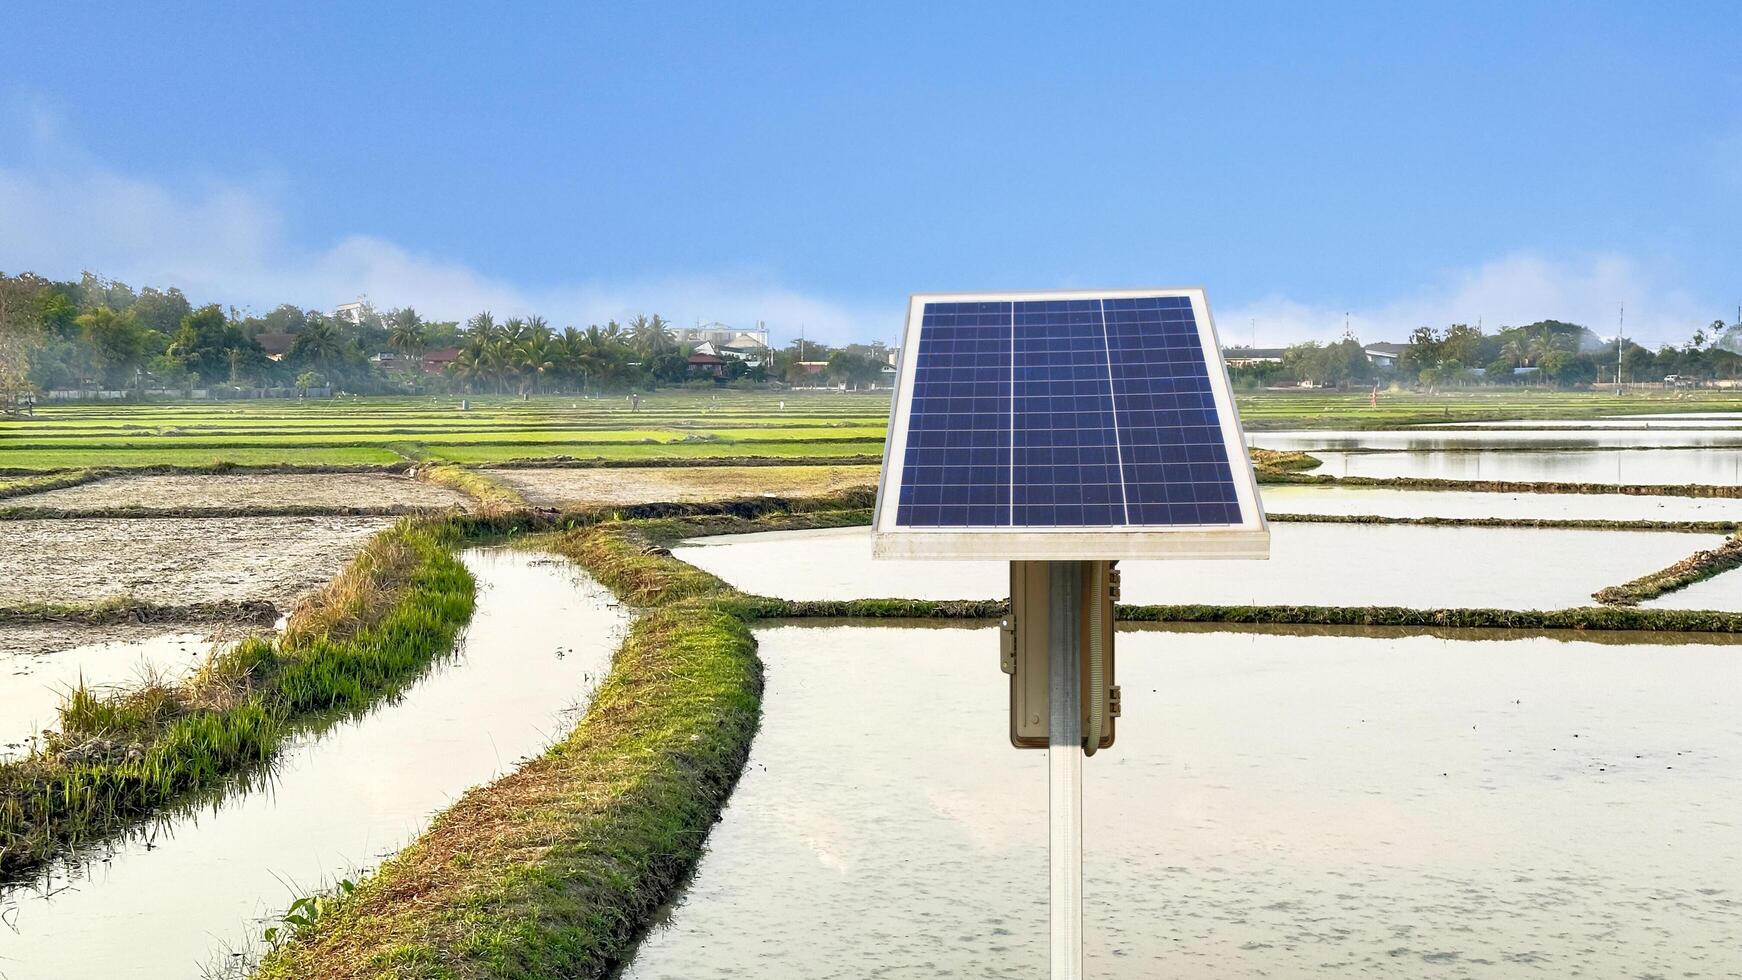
[
  {"x": 1175, "y": 462},
  {"x": 957, "y": 465},
  {"x": 1067, "y": 463},
  {"x": 1063, "y": 413}
]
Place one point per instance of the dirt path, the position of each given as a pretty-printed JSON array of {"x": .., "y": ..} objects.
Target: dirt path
[
  {"x": 278, "y": 559},
  {"x": 559, "y": 487},
  {"x": 169, "y": 491}
]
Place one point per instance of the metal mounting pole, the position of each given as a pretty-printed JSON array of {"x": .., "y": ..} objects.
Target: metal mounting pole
[{"x": 1064, "y": 759}]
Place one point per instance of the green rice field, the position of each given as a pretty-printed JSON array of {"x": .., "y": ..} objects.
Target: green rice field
[{"x": 675, "y": 424}]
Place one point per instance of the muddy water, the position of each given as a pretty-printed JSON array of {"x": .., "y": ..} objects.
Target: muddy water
[
  {"x": 1694, "y": 421},
  {"x": 1310, "y": 564},
  {"x": 1275, "y": 807},
  {"x": 542, "y": 637},
  {"x": 1417, "y": 440},
  {"x": 1634, "y": 466},
  {"x": 32, "y": 686},
  {"x": 1280, "y": 499}
]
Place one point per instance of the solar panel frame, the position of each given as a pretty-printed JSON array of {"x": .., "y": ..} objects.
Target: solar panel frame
[{"x": 1248, "y": 538}]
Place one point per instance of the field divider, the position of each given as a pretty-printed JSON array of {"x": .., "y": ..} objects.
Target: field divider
[
  {"x": 1274, "y": 477},
  {"x": 1696, "y": 567},
  {"x": 250, "y": 612},
  {"x": 136, "y": 512},
  {"x": 122, "y": 758},
  {"x": 44, "y": 482}
]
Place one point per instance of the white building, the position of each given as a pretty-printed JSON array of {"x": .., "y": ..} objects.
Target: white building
[
  {"x": 720, "y": 340},
  {"x": 351, "y": 312}
]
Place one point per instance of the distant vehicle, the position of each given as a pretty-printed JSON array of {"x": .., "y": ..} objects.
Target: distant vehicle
[{"x": 1678, "y": 381}]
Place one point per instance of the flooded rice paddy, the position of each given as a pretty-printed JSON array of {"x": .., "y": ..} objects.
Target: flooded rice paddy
[
  {"x": 209, "y": 882},
  {"x": 173, "y": 491},
  {"x": 33, "y": 684},
  {"x": 1276, "y": 806},
  {"x": 1383, "y": 502},
  {"x": 1463, "y": 440},
  {"x": 179, "y": 560},
  {"x": 1310, "y": 564},
  {"x": 1629, "y": 466}
]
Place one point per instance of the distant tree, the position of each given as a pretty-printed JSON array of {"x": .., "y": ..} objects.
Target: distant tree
[
  {"x": 117, "y": 345},
  {"x": 20, "y": 335},
  {"x": 406, "y": 333},
  {"x": 161, "y": 311},
  {"x": 319, "y": 344}
]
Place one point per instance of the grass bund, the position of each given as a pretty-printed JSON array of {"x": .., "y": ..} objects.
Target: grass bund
[
  {"x": 556, "y": 869},
  {"x": 1694, "y": 568},
  {"x": 251, "y": 612},
  {"x": 119, "y": 758}
]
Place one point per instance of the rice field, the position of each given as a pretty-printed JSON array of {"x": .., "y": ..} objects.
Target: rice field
[
  {"x": 124, "y": 518},
  {"x": 664, "y": 424}
]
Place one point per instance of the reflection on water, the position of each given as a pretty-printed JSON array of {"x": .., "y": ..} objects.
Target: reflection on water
[
  {"x": 1275, "y": 807},
  {"x": 541, "y": 638},
  {"x": 1633, "y": 466},
  {"x": 1417, "y": 440},
  {"x": 1310, "y": 564},
  {"x": 1383, "y": 502},
  {"x": 33, "y": 686}
]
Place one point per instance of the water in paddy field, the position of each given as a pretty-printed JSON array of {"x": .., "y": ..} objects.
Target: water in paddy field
[
  {"x": 541, "y": 639},
  {"x": 1692, "y": 420},
  {"x": 1275, "y": 806},
  {"x": 33, "y": 686},
  {"x": 1385, "y": 502},
  {"x": 1310, "y": 564},
  {"x": 1628, "y": 466},
  {"x": 1465, "y": 440}
]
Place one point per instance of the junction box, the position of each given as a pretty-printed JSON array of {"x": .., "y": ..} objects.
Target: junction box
[{"x": 1027, "y": 636}]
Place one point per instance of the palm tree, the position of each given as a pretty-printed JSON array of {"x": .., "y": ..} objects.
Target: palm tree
[
  {"x": 319, "y": 342},
  {"x": 537, "y": 355},
  {"x": 407, "y": 334}
]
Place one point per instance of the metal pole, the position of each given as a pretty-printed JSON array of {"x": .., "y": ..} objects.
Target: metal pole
[{"x": 1064, "y": 758}]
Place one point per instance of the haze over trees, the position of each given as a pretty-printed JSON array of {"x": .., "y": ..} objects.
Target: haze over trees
[
  {"x": 1548, "y": 352},
  {"x": 101, "y": 335}
]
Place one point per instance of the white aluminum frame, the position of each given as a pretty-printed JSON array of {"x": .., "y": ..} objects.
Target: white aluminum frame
[{"x": 1250, "y": 539}]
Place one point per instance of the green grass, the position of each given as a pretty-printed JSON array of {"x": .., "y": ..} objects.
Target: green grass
[
  {"x": 671, "y": 424},
  {"x": 1351, "y": 410},
  {"x": 554, "y": 870},
  {"x": 56, "y": 459},
  {"x": 120, "y": 758},
  {"x": 19, "y": 486},
  {"x": 680, "y": 450}
]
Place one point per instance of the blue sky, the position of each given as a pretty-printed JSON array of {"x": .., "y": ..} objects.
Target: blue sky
[{"x": 802, "y": 164}]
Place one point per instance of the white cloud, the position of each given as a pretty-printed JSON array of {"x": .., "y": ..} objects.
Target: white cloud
[
  {"x": 224, "y": 241},
  {"x": 1516, "y": 289}
]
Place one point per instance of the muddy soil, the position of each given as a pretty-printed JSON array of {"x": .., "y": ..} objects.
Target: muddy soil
[
  {"x": 558, "y": 487},
  {"x": 167, "y": 560},
  {"x": 169, "y": 491}
]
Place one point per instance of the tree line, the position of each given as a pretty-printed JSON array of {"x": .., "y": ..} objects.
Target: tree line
[
  {"x": 100, "y": 334},
  {"x": 1548, "y": 352}
]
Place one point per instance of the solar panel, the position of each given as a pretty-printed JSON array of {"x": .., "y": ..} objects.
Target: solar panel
[{"x": 1065, "y": 425}]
